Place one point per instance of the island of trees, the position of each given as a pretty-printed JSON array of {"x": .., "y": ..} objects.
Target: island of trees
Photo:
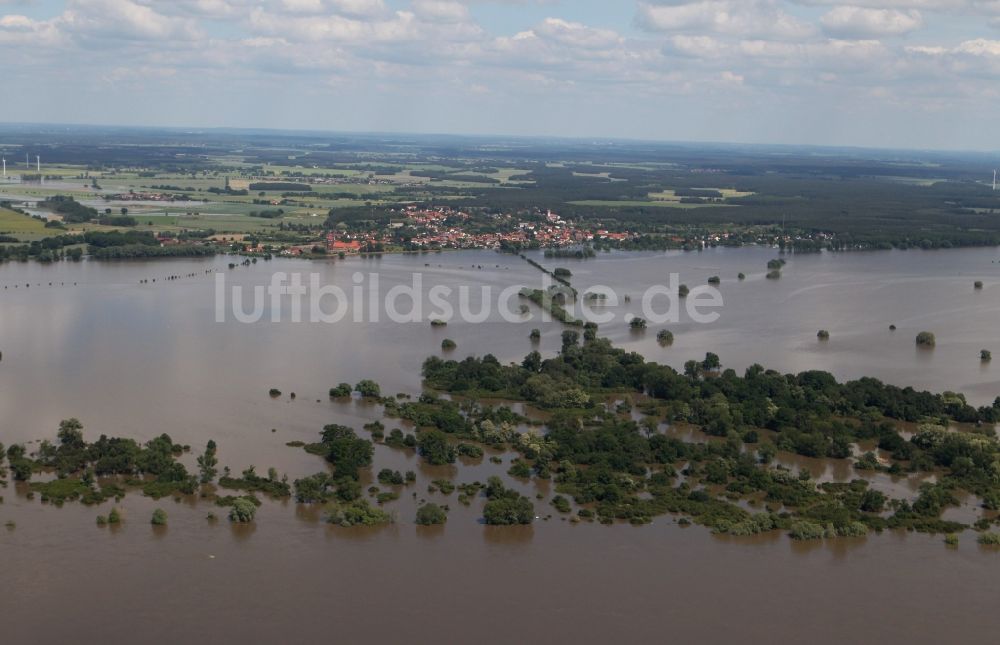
[{"x": 606, "y": 463}]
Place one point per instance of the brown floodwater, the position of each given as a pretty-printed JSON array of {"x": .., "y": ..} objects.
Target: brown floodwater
[{"x": 137, "y": 359}]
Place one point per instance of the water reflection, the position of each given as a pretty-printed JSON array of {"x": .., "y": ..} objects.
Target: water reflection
[{"x": 508, "y": 535}]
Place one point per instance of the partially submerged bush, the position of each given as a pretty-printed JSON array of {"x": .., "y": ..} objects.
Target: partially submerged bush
[
  {"x": 358, "y": 513},
  {"x": 242, "y": 510},
  {"x": 806, "y": 530},
  {"x": 431, "y": 514}
]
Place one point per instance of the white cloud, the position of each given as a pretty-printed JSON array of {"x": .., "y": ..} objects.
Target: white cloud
[
  {"x": 743, "y": 18},
  {"x": 577, "y": 34},
  {"x": 763, "y": 52},
  {"x": 21, "y": 30},
  {"x": 860, "y": 22},
  {"x": 359, "y": 8},
  {"x": 441, "y": 10},
  {"x": 705, "y": 47},
  {"x": 125, "y": 20},
  {"x": 977, "y": 47},
  {"x": 953, "y": 7}
]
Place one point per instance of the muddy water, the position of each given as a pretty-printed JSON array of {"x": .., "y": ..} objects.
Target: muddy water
[
  {"x": 854, "y": 296},
  {"x": 139, "y": 359}
]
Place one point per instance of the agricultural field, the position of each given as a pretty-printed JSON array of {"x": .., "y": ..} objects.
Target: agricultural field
[
  {"x": 865, "y": 198},
  {"x": 20, "y": 226}
]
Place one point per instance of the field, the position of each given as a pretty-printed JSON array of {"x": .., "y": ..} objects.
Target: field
[
  {"x": 866, "y": 198},
  {"x": 20, "y": 226}
]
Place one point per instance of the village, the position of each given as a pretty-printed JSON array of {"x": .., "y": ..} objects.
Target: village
[
  {"x": 446, "y": 228},
  {"x": 415, "y": 228}
]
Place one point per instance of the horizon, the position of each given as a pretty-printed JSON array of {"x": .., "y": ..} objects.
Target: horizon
[
  {"x": 486, "y": 136},
  {"x": 873, "y": 74}
]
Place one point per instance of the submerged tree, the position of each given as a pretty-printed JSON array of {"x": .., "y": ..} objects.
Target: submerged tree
[
  {"x": 430, "y": 514},
  {"x": 368, "y": 389},
  {"x": 242, "y": 510},
  {"x": 341, "y": 391},
  {"x": 207, "y": 463}
]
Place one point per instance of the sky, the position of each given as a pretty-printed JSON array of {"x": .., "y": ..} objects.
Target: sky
[{"x": 874, "y": 73}]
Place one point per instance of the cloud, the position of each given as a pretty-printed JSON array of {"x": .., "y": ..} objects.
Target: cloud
[
  {"x": 375, "y": 54},
  {"x": 980, "y": 47},
  {"x": 441, "y": 10},
  {"x": 124, "y": 20},
  {"x": 21, "y": 30},
  {"x": 953, "y": 7},
  {"x": 743, "y": 18},
  {"x": 702, "y": 47},
  {"x": 977, "y": 47},
  {"x": 859, "y": 22},
  {"x": 577, "y": 34}
]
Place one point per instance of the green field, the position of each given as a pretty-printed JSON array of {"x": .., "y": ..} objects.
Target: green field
[
  {"x": 19, "y": 225},
  {"x": 218, "y": 223}
]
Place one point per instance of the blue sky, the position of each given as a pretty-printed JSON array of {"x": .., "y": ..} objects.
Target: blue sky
[{"x": 879, "y": 73}]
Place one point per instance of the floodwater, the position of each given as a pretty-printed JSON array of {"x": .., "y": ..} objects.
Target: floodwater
[{"x": 137, "y": 359}]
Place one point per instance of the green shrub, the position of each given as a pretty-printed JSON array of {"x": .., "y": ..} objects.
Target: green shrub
[
  {"x": 242, "y": 510},
  {"x": 520, "y": 469},
  {"x": 358, "y": 513},
  {"x": 806, "y": 530},
  {"x": 390, "y": 477},
  {"x": 341, "y": 391},
  {"x": 430, "y": 514},
  {"x": 469, "y": 450},
  {"x": 989, "y": 539}
]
